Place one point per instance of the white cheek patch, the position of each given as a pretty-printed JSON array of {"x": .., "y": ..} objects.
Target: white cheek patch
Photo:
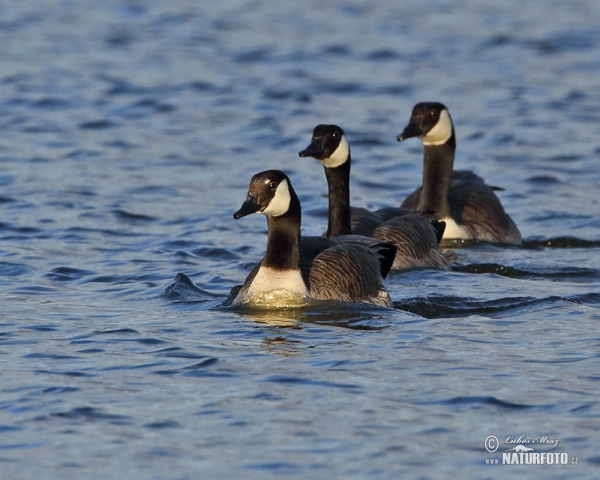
[
  {"x": 280, "y": 203},
  {"x": 341, "y": 154},
  {"x": 441, "y": 132}
]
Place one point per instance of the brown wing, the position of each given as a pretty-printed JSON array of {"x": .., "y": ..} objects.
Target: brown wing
[
  {"x": 363, "y": 221},
  {"x": 416, "y": 241},
  {"x": 348, "y": 272},
  {"x": 386, "y": 250},
  {"x": 478, "y": 209},
  {"x": 310, "y": 247}
]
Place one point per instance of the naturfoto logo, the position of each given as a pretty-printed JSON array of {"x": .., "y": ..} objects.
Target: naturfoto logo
[{"x": 522, "y": 451}]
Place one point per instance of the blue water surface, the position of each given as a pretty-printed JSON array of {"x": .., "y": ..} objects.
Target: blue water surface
[{"x": 129, "y": 132}]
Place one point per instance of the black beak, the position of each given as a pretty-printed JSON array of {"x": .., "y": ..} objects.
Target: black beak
[
  {"x": 315, "y": 149},
  {"x": 248, "y": 207},
  {"x": 411, "y": 130}
]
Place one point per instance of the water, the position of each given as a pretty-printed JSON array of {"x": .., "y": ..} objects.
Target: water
[{"x": 130, "y": 131}]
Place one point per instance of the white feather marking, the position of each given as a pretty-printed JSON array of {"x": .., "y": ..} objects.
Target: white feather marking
[
  {"x": 339, "y": 156},
  {"x": 276, "y": 287},
  {"x": 441, "y": 132},
  {"x": 454, "y": 230},
  {"x": 280, "y": 203}
]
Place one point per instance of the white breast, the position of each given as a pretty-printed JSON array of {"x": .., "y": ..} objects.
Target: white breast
[
  {"x": 276, "y": 288},
  {"x": 454, "y": 230}
]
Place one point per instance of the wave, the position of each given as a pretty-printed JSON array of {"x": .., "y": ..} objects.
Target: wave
[
  {"x": 183, "y": 290},
  {"x": 559, "y": 242},
  {"x": 440, "y": 306},
  {"x": 543, "y": 272}
]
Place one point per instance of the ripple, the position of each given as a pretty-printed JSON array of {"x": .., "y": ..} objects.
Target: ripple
[
  {"x": 277, "y": 468},
  {"x": 254, "y": 55},
  {"x": 207, "y": 362},
  {"x": 544, "y": 272},
  {"x": 162, "y": 425},
  {"x": 563, "y": 359},
  {"x": 52, "y": 103},
  {"x": 435, "y": 306},
  {"x": 284, "y": 94},
  {"x": 91, "y": 414},
  {"x": 307, "y": 381},
  {"x": 183, "y": 289},
  {"x": 21, "y": 446},
  {"x": 144, "y": 108},
  {"x": 123, "y": 146},
  {"x": 41, "y": 327},
  {"x": 215, "y": 253},
  {"x": 203, "y": 364},
  {"x": 383, "y": 54},
  {"x": 154, "y": 190},
  {"x": 118, "y": 335},
  {"x": 474, "y": 401},
  {"x": 82, "y": 232},
  {"x": 564, "y": 42},
  {"x": 132, "y": 367},
  {"x": 67, "y": 274},
  {"x": 341, "y": 87},
  {"x": 9, "y": 269},
  {"x": 67, "y": 373},
  {"x": 123, "y": 87},
  {"x": 33, "y": 290},
  {"x": 132, "y": 218},
  {"x": 178, "y": 352},
  {"x": 10, "y": 428},
  {"x": 97, "y": 125},
  {"x": 110, "y": 279},
  {"x": 59, "y": 390},
  {"x": 49, "y": 356},
  {"x": 560, "y": 242},
  {"x": 543, "y": 180},
  {"x": 586, "y": 298},
  {"x": 179, "y": 245}
]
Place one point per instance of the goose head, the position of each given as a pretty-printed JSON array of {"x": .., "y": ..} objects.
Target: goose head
[
  {"x": 431, "y": 122},
  {"x": 328, "y": 145},
  {"x": 270, "y": 193}
]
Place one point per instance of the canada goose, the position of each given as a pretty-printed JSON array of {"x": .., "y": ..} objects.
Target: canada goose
[
  {"x": 327, "y": 269},
  {"x": 415, "y": 237},
  {"x": 469, "y": 207}
]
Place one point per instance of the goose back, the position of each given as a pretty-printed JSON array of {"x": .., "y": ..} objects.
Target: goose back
[
  {"x": 403, "y": 230},
  {"x": 348, "y": 272}
]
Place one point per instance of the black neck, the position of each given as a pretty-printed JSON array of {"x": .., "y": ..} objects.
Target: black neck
[
  {"x": 283, "y": 251},
  {"x": 438, "y": 163},
  {"x": 338, "y": 181}
]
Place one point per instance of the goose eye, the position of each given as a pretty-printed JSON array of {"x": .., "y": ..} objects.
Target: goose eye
[
  {"x": 335, "y": 134},
  {"x": 273, "y": 185},
  {"x": 432, "y": 113}
]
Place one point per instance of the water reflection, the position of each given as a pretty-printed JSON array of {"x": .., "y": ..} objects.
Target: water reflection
[{"x": 344, "y": 316}]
